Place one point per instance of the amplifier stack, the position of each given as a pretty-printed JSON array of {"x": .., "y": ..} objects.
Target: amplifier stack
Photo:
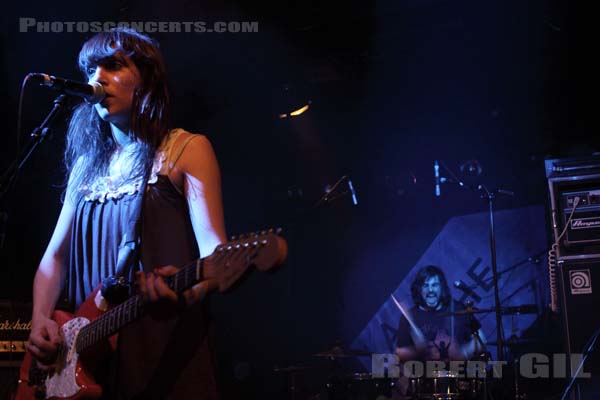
[{"x": 574, "y": 189}]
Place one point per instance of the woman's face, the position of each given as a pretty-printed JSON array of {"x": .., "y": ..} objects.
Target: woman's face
[{"x": 120, "y": 77}]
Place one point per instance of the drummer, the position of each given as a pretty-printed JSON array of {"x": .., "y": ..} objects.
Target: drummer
[{"x": 434, "y": 335}]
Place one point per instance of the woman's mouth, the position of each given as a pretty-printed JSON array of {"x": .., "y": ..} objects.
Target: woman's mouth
[{"x": 105, "y": 99}]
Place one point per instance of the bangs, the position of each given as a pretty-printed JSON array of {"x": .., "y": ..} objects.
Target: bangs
[{"x": 106, "y": 45}]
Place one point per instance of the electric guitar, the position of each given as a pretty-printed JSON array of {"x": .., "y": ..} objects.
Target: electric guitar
[{"x": 90, "y": 332}]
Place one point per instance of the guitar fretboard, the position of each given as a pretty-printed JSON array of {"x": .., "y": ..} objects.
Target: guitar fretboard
[{"x": 116, "y": 318}]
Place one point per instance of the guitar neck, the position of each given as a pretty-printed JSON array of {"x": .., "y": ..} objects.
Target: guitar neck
[
  {"x": 116, "y": 318},
  {"x": 225, "y": 266}
]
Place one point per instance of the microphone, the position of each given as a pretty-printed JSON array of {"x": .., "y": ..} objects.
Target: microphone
[
  {"x": 352, "y": 192},
  {"x": 436, "y": 174},
  {"x": 468, "y": 290},
  {"x": 92, "y": 92}
]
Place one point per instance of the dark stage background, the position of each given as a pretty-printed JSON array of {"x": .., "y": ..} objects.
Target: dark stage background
[{"x": 394, "y": 85}]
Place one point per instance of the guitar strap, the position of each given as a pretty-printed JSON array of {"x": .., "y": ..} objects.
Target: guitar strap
[{"x": 128, "y": 252}]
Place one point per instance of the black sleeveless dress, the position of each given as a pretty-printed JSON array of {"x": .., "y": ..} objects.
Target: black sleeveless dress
[{"x": 158, "y": 357}]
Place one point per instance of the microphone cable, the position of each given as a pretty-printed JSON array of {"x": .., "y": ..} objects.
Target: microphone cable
[{"x": 552, "y": 259}]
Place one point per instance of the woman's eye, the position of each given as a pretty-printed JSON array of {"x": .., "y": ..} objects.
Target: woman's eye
[
  {"x": 91, "y": 71},
  {"x": 114, "y": 65}
]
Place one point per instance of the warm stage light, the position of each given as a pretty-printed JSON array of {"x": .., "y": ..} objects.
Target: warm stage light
[
  {"x": 300, "y": 110},
  {"x": 296, "y": 112}
]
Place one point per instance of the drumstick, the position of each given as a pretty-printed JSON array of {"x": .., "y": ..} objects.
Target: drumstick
[{"x": 408, "y": 318}]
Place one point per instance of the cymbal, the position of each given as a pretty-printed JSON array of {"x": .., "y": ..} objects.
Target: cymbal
[
  {"x": 508, "y": 310},
  {"x": 339, "y": 352}
]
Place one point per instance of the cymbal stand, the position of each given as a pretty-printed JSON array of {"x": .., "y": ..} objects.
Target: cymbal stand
[
  {"x": 475, "y": 325},
  {"x": 490, "y": 196},
  {"x": 518, "y": 396},
  {"x": 480, "y": 351}
]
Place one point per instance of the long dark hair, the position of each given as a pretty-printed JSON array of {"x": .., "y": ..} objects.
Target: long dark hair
[
  {"x": 424, "y": 274},
  {"x": 89, "y": 141}
]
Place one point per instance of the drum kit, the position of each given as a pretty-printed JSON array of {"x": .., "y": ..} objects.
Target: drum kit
[
  {"x": 355, "y": 385},
  {"x": 442, "y": 384}
]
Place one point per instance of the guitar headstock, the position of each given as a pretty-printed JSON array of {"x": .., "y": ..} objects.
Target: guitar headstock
[{"x": 263, "y": 250}]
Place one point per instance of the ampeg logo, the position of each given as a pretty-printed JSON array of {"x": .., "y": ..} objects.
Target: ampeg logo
[
  {"x": 585, "y": 223},
  {"x": 581, "y": 281}
]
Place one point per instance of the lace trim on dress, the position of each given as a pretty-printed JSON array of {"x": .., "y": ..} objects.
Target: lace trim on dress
[{"x": 116, "y": 185}]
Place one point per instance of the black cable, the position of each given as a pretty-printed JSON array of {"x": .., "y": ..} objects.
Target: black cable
[{"x": 20, "y": 111}]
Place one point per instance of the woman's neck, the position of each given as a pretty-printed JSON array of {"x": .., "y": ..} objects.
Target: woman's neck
[{"x": 122, "y": 136}]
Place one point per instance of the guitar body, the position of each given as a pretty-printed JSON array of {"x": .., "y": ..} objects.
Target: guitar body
[
  {"x": 26, "y": 389},
  {"x": 72, "y": 378},
  {"x": 90, "y": 334}
]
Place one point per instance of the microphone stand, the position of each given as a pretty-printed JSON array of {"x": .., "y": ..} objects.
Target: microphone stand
[
  {"x": 36, "y": 137},
  {"x": 589, "y": 348},
  {"x": 326, "y": 197},
  {"x": 490, "y": 197}
]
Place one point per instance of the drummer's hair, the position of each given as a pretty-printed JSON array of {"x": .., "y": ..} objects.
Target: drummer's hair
[{"x": 425, "y": 273}]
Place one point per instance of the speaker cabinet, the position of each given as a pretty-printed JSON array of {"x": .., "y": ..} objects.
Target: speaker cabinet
[{"x": 580, "y": 298}]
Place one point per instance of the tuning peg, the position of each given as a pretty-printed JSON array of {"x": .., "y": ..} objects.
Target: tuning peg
[
  {"x": 278, "y": 231},
  {"x": 233, "y": 238}
]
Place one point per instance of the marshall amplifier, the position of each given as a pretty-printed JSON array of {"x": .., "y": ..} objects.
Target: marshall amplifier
[
  {"x": 15, "y": 325},
  {"x": 584, "y": 227}
]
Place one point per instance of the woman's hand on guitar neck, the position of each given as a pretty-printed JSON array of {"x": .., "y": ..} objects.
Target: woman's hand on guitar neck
[
  {"x": 44, "y": 342},
  {"x": 154, "y": 290}
]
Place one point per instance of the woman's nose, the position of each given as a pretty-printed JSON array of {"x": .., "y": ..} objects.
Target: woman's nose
[{"x": 99, "y": 76}]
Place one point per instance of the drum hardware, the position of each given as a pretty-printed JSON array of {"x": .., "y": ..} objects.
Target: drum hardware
[
  {"x": 359, "y": 386},
  {"x": 445, "y": 385},
  {"x": 353, "y": 386},
  {"x": 516, "y": 342},
  {"x": 339, "y": 352},
  {"x": 292, "y": 372},
  {"x": 294, "y": 368},
  {"x": 509, "y": 310},
  {"x": 490, "y": 196}
]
